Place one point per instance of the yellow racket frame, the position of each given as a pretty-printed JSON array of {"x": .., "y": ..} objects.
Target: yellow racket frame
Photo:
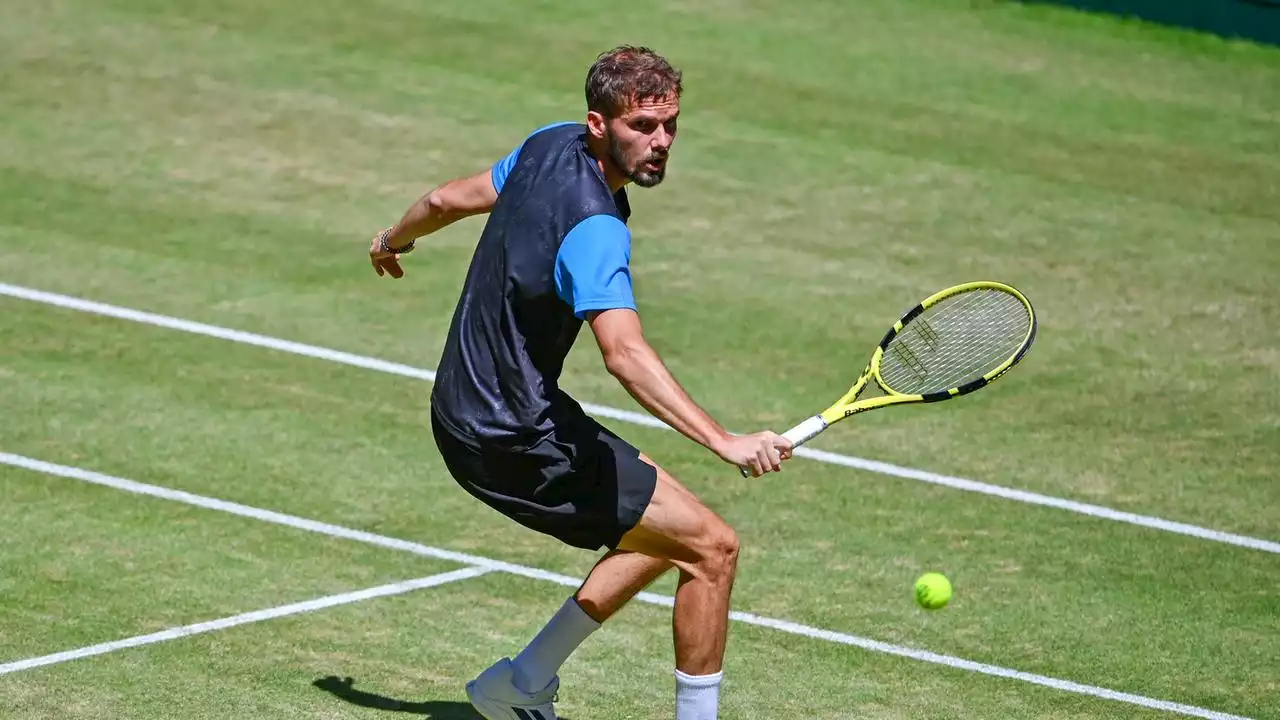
[{"x": 849, "y": 405}]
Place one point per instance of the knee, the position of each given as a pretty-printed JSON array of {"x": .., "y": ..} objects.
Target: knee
[{"x": 720, "y": 553}]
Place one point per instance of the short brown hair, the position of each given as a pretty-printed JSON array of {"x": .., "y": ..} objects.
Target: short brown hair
[{"x": 628, "y": 74}]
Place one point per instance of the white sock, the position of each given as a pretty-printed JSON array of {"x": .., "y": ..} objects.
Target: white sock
[
  {"x": 537, "y": 664},
  {"x": 697, "y": 696}
]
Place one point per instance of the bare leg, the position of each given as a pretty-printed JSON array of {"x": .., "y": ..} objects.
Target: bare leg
[
  {"x": 615, "y": 580},
  {"x": 676, "y": 530},
  {"x": 679, "y": 528}
]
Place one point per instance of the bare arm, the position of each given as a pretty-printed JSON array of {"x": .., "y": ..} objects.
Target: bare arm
[
  {"x": 630, "y": 359},
  {"x": 438, "y": 208},
  {"x": 444, "y": 205}
]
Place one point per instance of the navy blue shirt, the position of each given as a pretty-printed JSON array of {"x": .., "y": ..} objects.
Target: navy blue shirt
[
  {"x": 593, "y": 265},
  {"x": 555, "y": 247}
]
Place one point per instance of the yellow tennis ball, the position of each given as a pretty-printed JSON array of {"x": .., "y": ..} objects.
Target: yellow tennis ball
[{"x": 933, "y": 591}]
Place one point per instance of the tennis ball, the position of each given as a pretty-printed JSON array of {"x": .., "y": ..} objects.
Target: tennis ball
[{"x": 933, "y": 591}]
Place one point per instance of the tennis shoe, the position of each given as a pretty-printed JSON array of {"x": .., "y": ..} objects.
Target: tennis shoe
[{"x": 495, "y": 695}]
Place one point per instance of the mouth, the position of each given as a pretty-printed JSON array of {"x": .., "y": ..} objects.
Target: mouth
[{"x": 655, "y": 163}]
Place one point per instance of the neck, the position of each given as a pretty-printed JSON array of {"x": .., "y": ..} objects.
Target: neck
[{"x": 612, "y": 175}]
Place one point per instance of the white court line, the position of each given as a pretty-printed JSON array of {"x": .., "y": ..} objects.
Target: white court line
[
  {"x": 634, "y": 418},
  {"x": 651, "y": 598},
  {"x": 244, "y": 618}
]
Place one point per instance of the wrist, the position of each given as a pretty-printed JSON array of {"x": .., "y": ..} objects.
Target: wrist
[
  {"x": 718, "y": 443},
  {"x": 388, "y": 244}
]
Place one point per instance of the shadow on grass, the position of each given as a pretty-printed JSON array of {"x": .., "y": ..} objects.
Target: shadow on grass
[{"x": 344, "y": 689}]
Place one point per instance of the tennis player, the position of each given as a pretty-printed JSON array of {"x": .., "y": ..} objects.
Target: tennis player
[{"x": 554, "y": 253}]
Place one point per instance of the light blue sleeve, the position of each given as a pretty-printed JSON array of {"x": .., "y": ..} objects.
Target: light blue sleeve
[
  {"x": 503, "y": 167},
  {"x": 593, "y": 266}
]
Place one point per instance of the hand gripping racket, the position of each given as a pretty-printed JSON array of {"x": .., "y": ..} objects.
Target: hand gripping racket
[{"x": 954, "y": 342}]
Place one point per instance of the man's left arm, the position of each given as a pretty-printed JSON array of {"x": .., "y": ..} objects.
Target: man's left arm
[{"x": 436, "y": 209}]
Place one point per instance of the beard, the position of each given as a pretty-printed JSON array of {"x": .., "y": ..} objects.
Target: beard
[{"x": 636, "y": 174}]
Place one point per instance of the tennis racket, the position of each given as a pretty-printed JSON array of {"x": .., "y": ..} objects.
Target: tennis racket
[{"x": 954, "y": 342}]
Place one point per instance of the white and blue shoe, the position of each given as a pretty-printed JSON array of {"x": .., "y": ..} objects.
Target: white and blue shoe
[{"x": 495, "y": 696}]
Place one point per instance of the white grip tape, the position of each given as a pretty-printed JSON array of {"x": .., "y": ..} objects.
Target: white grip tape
[
  {"x": 799, "y": 435},
  {"x": 805, "y": 431}
]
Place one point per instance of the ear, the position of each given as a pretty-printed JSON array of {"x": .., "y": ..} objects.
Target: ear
[{"x": 596, "y": 125}]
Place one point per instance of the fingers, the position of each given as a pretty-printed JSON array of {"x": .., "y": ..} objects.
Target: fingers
[
  {"x": 392, "y": 265},
  {"x": 771, "y": 451},
  {"x": 766, "y": 459},
  {"x": 384, "y": 264},
  {"x": 772, "y": 458},
  {"x": 759, "y": 454},
  {"x": 784, "y": 447}
]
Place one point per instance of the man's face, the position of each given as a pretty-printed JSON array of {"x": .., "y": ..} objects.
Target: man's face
[{"x": 640, "y": 139}]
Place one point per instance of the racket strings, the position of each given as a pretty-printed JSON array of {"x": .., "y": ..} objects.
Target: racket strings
[
  {"x": 980, "y": 355},
  {"x": 909, "y": 359},
  {"x": 900, "y": 347},
  {"x": 995, "y": 326},
  {"x": 988, "y": 339},
  {"x": 955, "y": 342},
  {"x": 982, "y": 336}
]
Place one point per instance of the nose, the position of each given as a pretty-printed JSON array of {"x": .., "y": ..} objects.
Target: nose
[{"x": 662, "y": 139}]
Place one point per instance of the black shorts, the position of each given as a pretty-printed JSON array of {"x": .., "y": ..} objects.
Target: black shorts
[{"x": 583, "y": 485}]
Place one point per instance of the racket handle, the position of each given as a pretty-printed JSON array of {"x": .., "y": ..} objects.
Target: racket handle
[
  {"x": 799, "y": 435},
  {"x": 805, "y": 431}
]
